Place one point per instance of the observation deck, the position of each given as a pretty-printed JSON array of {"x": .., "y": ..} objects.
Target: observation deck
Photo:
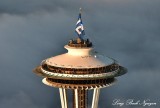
[{"x": 81, "y": 67}]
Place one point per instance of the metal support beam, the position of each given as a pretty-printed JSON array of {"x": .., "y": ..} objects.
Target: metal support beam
[
  {"x": 95, "y": 99},
  {"x": 63, "y": 97},
  {"x": 76, "y": 98}
]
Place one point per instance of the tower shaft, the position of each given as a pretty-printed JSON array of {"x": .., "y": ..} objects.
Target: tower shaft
[
  {"x": 80, "y": 98},
  {"x": 63, "y": 97}
]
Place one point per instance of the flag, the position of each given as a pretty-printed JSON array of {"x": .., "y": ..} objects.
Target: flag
[{"x": 79, "y": 27}]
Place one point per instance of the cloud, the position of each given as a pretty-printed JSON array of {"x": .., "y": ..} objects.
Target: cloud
[
  {"x": 138, "y": 87},
  {"x": 19, "y": 100},
  {"x": 31, "y": 31}
]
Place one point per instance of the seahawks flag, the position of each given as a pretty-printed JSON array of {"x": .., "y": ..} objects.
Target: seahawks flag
[{"x": 79, "y": 27}]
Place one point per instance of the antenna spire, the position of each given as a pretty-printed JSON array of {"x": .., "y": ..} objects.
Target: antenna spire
[{"x": 80, "y": 10}]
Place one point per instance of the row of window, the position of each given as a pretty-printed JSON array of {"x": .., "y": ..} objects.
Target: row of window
[
  {"x": 105, "y": 69},
  {"x": 97, "y": 81}
]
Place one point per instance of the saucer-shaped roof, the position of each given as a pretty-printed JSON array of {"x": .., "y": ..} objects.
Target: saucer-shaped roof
[{"x": 79, "y": 58}]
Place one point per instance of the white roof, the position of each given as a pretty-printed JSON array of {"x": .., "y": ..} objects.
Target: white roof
[{"x": 79, "y": 58}]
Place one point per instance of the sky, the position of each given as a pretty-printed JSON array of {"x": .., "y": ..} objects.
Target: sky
[{"x": 34, "y": 30}]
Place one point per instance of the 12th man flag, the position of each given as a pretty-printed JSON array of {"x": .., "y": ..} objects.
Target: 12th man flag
[{"x": 79, "y": 27}]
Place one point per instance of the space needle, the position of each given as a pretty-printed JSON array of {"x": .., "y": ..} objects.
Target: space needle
[{"x": 80, "y": 69}]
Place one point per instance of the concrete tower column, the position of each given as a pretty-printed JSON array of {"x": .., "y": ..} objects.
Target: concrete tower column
[
  {"x": 63, "y": 97},
  {"x": 95, "y": 98}
]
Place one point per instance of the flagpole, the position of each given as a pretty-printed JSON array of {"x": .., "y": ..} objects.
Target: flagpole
[
  {"x": 79, "y": 27},
  {"x": 80, "y": 10}
]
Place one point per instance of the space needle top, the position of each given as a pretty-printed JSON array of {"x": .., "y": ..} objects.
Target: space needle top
[
  {"x": 81, "y": 61},
  {"x": 80, "y": 69}
]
